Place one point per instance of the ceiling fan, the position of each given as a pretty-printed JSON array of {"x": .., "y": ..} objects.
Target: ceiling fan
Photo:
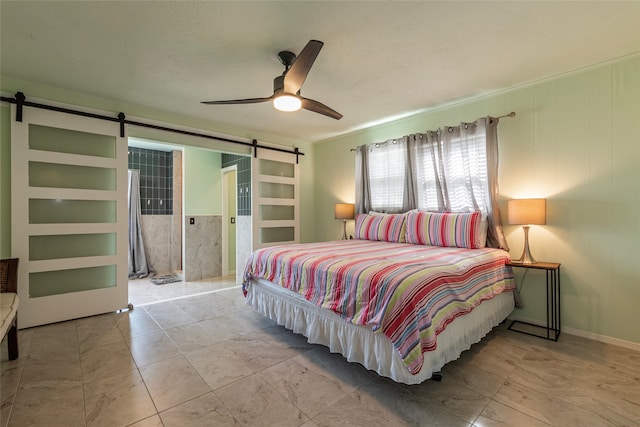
[{"x": 286, "y": 87}]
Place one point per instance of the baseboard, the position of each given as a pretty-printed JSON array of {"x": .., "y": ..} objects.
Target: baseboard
[{"x": 585, "y": 334}]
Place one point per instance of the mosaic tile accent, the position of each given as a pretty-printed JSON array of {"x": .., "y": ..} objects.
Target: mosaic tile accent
[{"x": 156, "y": 179}]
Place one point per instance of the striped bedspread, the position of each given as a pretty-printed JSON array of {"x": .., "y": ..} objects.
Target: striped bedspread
[{"x": 409, "y": 292}]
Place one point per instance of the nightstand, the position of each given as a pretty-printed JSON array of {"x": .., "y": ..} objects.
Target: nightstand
[{"x": 552, "y": 329}]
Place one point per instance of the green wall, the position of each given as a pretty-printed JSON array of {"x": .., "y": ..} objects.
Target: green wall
[
  {"x": 202, "y": 182},
  {"x": 576, "y": 141}
]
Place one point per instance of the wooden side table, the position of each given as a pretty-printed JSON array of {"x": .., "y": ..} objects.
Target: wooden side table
[{"x": 552, "y": 329}]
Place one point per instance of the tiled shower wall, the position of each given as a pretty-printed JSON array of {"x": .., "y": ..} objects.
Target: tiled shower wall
[
  {"x": 203, "y": 247},
  {"x": 162, "y": 238},
  {"x": 156, "y": 179}
]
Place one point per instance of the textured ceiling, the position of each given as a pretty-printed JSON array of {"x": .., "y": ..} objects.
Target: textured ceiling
[{"x": 381, "y": 60}]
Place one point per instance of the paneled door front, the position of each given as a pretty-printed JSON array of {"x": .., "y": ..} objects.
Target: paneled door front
[
  {"x": 275, "y": 177},
  {"x": 68, "y": 216}
]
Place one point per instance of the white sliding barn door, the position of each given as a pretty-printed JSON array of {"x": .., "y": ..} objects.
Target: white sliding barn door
[
  {"x": 275, "y": 207},
  {"x": 68, "y": 215}
]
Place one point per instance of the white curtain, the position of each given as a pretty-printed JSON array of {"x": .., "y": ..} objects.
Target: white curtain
[
  {"x": 138, "y": 263},
  {"x": 451, "y": 169},
  {"x": 383, "y": 177}
]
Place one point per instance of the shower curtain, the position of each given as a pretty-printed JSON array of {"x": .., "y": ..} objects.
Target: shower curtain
[{"x": 138, "y": 263}]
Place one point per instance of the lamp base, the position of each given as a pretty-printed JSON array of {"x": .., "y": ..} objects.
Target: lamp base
[
  {"x": 344, "y": 229},
  {"x": 526, "y": 257}
]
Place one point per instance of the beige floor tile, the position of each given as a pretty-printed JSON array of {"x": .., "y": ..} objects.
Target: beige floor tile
[
  {"x": 40, "y": 403},
  {"x": 9, "y": 381},
  {"x": 106, "y": 361},
  {"x": 548, "y": 409},
  {"x": 118, "y": 400},
  {"x": 499, "y": 415},
  {"x": 136, "y": 323},
  {"x": 384, "y": 403},
  {"x": 152, "y": 348},
  {"x": 249, "y": 320},
  {"x": 266, "y": 407},
  {"x": 39, "y": 370},
  {"x": 194, "y": 336},
  {"x": 153, "y": 421},
  {"x": 220, "y": 366},
  {"x": 336, "y": 367},
  {"x": 258, "y": 353},
  {"x": 168, "y": 316},
  {"x": 233, "y": 301},
  {"x": 91, "y": 338},
  {"x": 93, "y": 324},
  {"x": 473, "y": 377},
  {"x": 588, "y": 396},
  {"x": 204, "y": 411},
  {"x": 452, "y": 396},
  {"x": 491, "y": 359},
  {"x": 280, "y": 336},
  {"x": 223, "y": 327},
  {"x": 172, "y": 382},
  {"x": 309, "y": 391},
  {"x": 261, "y": 368},
  {"x": 58, "y": 342},
  {"x": 218, "y": 304},
  {"x": 198, "y": 308}
]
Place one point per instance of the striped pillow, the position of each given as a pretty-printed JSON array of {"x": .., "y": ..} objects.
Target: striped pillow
[
  {"x": 382, "y": 227},
  {"x": 443, "y": 229}
]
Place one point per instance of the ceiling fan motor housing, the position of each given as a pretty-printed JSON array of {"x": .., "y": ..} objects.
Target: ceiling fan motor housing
[
  {"x": 278, "y": 84},
  {"x": 286, "y": 58}
]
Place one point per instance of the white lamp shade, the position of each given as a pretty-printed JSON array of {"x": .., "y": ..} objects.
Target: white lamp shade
[
  {"x": 287, "y": 103},
  {"x": 527, "y": 211},
  {"x": 344, "y": 211}
]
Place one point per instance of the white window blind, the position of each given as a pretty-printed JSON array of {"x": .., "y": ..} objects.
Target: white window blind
[
  {"x": 460, "y": 166},
  {"x": 387, "y": 176},
  {"x": 450, "y": 172}
]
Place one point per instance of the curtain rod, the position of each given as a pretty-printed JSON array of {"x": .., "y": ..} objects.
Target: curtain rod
[
  {"x": 511, "y": 115},
  {"x": 20, "y": 101}
]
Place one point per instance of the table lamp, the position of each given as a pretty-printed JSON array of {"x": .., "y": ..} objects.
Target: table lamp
[
  {"x": 527, "y": 212},
  {"x": 344, "y": 211}
]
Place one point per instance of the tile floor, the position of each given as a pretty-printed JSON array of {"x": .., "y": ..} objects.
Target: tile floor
[{"x": 208, "y": 360}]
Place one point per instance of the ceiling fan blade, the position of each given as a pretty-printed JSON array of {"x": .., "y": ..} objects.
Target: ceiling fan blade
[
  {"x": 238, "y": 101},
  {"x": 318, "y": 107},
  {"x": 296, "y": 75}
]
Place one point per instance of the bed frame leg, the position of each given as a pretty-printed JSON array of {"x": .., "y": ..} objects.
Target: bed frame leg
[{"x": 436, "y": 376}]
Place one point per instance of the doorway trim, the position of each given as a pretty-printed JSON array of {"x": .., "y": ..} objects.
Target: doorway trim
[{"x": 225, "y": 216}]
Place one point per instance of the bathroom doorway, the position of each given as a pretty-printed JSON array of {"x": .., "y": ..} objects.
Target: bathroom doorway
[{"x": 185, "y": 240}]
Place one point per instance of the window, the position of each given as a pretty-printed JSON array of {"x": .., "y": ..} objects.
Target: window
[
  {"x": 387, "y": 176},
  {"x": 452, "y": 174},
  {"x": 443, "y": 170}
]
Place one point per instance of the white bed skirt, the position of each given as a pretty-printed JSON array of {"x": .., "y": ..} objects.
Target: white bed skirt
[{"x": 373, "y": 350}]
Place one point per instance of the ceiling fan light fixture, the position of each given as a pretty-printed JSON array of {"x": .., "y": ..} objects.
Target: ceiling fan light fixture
[{"x": 287, "y": 103}]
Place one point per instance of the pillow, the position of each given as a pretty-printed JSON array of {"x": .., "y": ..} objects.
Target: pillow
[
  {"x": 443, "y": 229},
  {"x": 385, "y": 228}
]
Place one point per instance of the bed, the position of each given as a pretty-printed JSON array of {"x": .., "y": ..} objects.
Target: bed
[{"x": 398, "y": 308}]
